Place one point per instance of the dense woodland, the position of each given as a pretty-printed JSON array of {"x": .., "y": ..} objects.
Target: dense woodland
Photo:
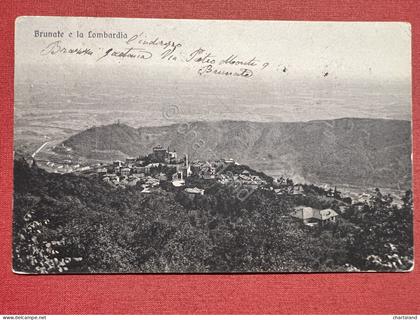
[{"x": 73, "y": 223}]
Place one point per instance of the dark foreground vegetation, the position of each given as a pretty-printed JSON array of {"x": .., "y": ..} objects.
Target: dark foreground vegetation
[{"x": 69, "y": 223}]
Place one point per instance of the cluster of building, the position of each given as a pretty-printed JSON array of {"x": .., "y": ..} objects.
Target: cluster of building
[
  {"x": 65, "y": 166},
  {"x": 290, "y": 189},
  {"x": 218, "y": 170},
  {"x": 162, "y": 155},
  {"x": 147, "y": 171},
  {"x": 245, "y": 178},
  {"x": 147, "y": 182},
  {"x": 311, "y": 216},
  {"x": 164, "y": 165}
]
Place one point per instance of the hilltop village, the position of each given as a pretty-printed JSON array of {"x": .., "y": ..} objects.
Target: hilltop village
[{"x": 163, "y": 166}]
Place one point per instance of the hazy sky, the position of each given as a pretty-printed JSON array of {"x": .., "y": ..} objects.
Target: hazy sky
[{"x": 299, "y": 64}]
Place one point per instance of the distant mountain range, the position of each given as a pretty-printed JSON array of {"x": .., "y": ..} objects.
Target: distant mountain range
[{"x": 352, "y": 151}]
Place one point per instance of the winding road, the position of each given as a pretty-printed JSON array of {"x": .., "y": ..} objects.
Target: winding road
[{"x": 39, "y": 149}]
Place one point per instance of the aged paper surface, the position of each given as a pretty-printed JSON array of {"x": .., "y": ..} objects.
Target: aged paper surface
[{"x": 198, "y": 146}]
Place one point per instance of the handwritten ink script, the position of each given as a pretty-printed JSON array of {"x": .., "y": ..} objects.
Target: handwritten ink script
[{"x": 141, "y": 47}]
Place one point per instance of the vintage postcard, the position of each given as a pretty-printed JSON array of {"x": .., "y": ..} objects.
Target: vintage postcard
[{"x": 209, "y": 146}]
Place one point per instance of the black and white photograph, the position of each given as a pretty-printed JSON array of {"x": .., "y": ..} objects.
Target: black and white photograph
[{"x": 211, "y": 146}]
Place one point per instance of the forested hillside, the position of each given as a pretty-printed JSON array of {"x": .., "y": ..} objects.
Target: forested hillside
[{"x": 70, "y": 223}]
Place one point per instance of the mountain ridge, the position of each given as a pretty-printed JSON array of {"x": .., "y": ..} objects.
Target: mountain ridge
[{"x": 354, "y": 151}]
